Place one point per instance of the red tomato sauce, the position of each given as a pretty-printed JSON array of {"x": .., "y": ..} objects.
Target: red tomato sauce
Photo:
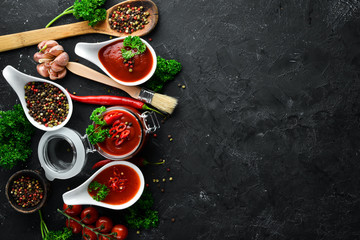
[
  {"x": 111, "y": 58},
  {"x": 131, "y": 142},
  {"x": 131, "y": 184}
]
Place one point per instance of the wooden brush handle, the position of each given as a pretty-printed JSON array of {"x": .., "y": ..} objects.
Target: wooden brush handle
[
  {"x": 86, "y": 72},
  {"x": 24, "y": 39}
]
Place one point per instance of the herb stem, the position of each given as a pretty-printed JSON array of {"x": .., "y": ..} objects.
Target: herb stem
[
  {"x": 69, "y": 10},
  {"x": 43, "y": 227}
]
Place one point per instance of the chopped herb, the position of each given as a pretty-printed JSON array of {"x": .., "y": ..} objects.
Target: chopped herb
[
  {"x": 165, "y": 71},
  {"x": 127, "y": 54},
  {"x": 97, "y": 117},
  {"x": 136, "y": 45},
  {"x": 15, "y": 137},
  {"x": 97, "y": 134},
  {"x": 102, "y": 190},
  {"x": 141, "y": 214}
]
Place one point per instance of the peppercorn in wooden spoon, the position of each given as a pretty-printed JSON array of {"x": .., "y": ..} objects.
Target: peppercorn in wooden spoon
[{"x": 141, "y": 13}]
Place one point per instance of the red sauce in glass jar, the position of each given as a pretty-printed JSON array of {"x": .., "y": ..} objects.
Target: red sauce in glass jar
[{"x": 133, "y": 143}]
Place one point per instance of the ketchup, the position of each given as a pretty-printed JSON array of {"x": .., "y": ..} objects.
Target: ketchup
[{"x": 111, "y": 58}]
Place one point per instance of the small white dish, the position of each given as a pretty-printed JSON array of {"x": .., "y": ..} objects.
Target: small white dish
[
  {"x": 90, "y": 51},
  {"x": 80, "y": 195},
  {"x": 18, "y": 80}
]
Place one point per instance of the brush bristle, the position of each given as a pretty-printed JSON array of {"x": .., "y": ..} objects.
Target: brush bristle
[{"x": 164, "y": 103}]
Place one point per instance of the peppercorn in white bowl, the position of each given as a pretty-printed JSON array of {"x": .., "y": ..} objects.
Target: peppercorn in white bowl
[{"x": 47, "y": 105}]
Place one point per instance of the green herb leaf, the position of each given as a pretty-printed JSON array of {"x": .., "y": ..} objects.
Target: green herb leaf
[
  {"x": 140, "y": 215},
  {"x": 134, "y": 43},
  {"x": 98, "y": 134},
  {"x": 102, "y": 190},
  {"x": 97, "y": 117},
  {"x": 59, "y": 235},
  {"x": 65, "y": 234},
  {"x": 15, "y": 137},
  {"x": 89, "y": 10},
  {"x": 127, "y": 54},
  {"x": 165, "y": 71}
]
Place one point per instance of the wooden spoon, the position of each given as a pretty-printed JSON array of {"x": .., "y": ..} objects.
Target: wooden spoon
[{"x": 23, "y": 39}]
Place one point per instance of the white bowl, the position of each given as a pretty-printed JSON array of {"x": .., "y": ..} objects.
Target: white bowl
[
  {"x": 18, "y": 80},
  {"x": 90, "y": 51},
  {"x": 80, "y": 195}
]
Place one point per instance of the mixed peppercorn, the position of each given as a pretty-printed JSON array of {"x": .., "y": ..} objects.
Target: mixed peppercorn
[
  {"x": 128, "y": 19},
  {"x": 47, "y": 104},
  {"x": 27, "y": 192}
]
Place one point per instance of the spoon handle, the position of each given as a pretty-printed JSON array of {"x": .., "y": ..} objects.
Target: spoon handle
[
  {"x": 24, "y": 39},
  {"x": 86, "y": 72}
]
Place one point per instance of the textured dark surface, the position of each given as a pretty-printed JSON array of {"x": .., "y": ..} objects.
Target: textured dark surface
[{"x": 266, "y": 135}]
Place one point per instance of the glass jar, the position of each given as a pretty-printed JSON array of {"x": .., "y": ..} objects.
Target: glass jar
[{"x": 63, "y": 153}]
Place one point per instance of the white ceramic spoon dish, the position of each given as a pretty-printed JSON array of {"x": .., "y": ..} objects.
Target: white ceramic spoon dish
[
  {"x": 80, "y": 195},
  {"x": 18, "y": 80},
  {"x": 90, "y": 51}
]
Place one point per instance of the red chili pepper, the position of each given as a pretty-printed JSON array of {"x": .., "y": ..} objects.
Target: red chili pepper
[
  {"x": 121, "y": 127},
  {"x": 101, "y": 163},
  {"x": 117, "y": 122},
  {"x": 124, "y": 134},
  {"x": 111, "y": 118},
  {"x": 114, "y": 136},
  {"x": 119, "y": 141},
  {"x": 112, "y": 100},
  {"x": 112, "y": 131}
]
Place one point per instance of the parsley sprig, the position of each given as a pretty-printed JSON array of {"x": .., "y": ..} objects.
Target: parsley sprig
[
  {"x": 15, "y": 137},
  {"x": 141, "y": 215},
  {"x": 136, "y": 47},
  {"x": 165, "y": 71},
  {"x": 102, "y": 190},
  {"x": 89, "y": 10},
  {"x": 99, "y": 133}
]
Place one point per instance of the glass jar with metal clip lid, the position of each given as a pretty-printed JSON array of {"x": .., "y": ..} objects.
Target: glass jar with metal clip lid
[{"x": 63, "y": 153}]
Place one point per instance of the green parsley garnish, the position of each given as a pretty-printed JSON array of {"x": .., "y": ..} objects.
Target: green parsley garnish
[
  {"x": 97, "y": 134},
  {"x": 165, "y": 71},
  {"x": 89, "y": 10},
  {"x": 97, "y": 117},
  {"x": 15, "y": 137},
  {"x": 141, "y": 215},
  {"x": 102, "y": 190},
  {"x": 136, "y": 45}
]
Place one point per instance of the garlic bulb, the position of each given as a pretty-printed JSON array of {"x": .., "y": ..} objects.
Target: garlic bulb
[{"x": 52, "y": 60}]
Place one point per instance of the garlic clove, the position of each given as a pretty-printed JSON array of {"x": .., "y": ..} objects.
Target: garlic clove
[
  {"x": 39, "y": 55},
  {"x": 56, "y": 67},
  {"x": 62, "y": 59},
  {"x": 56, "y": 50},
  {"x": 42, "y": 70}
]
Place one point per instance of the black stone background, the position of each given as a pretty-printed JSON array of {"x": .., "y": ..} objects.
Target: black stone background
[{"x": 266, "y": 133}]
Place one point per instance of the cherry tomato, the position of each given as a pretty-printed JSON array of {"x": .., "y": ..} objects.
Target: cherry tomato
[
  {"x": 120, "y": 231},
  {"x": 89, "y": 215},
  {"x": 72, "y": 210},
  {"x": 73, "y": 225},
  {"x": 89, "y": 234},
  {"x": 104, "y": 224}
]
